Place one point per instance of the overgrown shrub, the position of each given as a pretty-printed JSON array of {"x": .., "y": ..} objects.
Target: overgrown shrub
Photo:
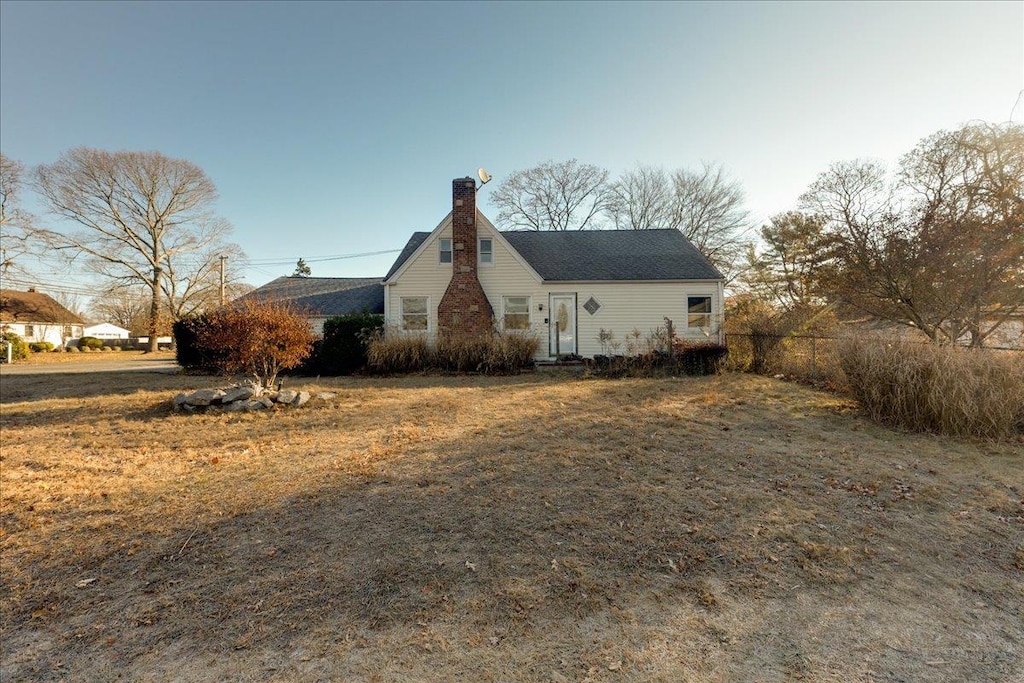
[
  {"x": 256, "y": 337},
  {"x": 41, "y": 347},
  {"x": 190, "y": 354},
  {"x": 944, "y": 389},
  {"x": 498, "y": 353},
  {"x": 398, "y": 353},
  {"x": 460, "y": 353},
  {"x": 766, "y": 330},
  {"x": 19, "y": 349},
  {"x": 91, "y": 343},
  {"x": 659, "y": 352},
  {"x": 509, "y": 352},
  {"x": 342, "y": 350},
  {"x": 688, "y": 358}
]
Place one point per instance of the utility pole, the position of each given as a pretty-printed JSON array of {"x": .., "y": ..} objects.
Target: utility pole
[{"x": 223, "y": 260}]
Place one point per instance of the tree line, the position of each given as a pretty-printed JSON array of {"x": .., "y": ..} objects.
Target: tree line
[{"x": 936, "y": 243}]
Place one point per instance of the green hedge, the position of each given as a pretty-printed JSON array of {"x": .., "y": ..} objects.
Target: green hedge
[
  {"x": 90, "y": 343},
  {"x": 41, "y": 347},
  {"x": 342, "y": 350},
  {"x": 190, "y": 355},
  {"x": 19, "y": 349}
]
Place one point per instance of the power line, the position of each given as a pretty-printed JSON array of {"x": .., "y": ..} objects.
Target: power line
[{"x": 322, "y": 259}]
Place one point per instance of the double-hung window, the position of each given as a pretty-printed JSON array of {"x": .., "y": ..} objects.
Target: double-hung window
[
  {"x": 444, "y": 250},
  {"x": 516, "y": 312},
  {"x": 698, "y": 312},
  {"x": 414, "y": 313},
  {"x": 486, "y": 251}
]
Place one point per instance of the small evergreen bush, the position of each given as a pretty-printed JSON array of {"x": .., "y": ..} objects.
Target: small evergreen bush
[
  {"x": 41, "y": 347},
  {"x": 190, "y": 355},
  {"x": 91, "y": 343},
  {"x": 342, "y": 350},
  {"x": 19, "y": 349}
]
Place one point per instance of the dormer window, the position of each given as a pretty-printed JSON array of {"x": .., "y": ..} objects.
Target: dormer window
[
  {"x": 486, "y": 251},
  {"x": 444, "y": 251}
]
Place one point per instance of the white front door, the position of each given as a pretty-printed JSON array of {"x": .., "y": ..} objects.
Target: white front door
[{"x": 562, "y": 324}]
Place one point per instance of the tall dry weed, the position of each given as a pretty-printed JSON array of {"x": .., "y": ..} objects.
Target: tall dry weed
[
  {"x": 498, "y": 353},
  {"x": 944, "y": 389},
  {"x": 397, "y": 353}
]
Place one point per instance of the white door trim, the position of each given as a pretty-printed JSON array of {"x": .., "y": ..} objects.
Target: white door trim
[{"x": 555, "y": 344}]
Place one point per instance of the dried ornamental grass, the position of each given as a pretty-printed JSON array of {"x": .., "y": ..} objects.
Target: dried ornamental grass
[{"x": 944, "y": 389}]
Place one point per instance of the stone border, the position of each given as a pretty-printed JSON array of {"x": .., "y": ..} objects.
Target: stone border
[{"x": 243, "y": 398}]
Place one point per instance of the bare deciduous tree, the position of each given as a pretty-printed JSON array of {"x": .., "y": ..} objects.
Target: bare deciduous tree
[
  {"x": 15, "y": 223},
  {"x": 193, "y": 282},
  {"x": 642, "y": 199},
  {"x": 565, "y": 195},
  {"x": 126, "y": 307},
  {"x": 142, "y": 212},
  {"x": 707, "y": 207}
]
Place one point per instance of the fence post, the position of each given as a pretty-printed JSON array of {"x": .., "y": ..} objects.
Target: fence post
[{"x": 814, "y": 350}]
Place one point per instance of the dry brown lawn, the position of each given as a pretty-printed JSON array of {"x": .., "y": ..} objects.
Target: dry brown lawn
[{"x": 730, "y": 528}]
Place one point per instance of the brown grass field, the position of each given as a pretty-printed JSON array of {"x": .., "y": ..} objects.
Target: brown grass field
[{"x": 534, "y": 528}]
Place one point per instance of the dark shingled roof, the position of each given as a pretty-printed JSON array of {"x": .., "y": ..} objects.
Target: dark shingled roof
[
  {"x": 325, "y": 296},
  {"x": 34, "y": 307},
  {"x": 612, "y": 255},
  {"x": 412, "y": 245},
  {"x": 601, "y": 255}
]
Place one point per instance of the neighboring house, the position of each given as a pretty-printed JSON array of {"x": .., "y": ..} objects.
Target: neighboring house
[
  {"x": 566, "y": 287},
  {"x": 36, "y": 317},
  {"x": 106, "y": 331},
  {"x": 320, "y": 298}
]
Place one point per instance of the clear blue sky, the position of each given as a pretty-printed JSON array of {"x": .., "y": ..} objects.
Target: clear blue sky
[{"x": 336, "y": 128}]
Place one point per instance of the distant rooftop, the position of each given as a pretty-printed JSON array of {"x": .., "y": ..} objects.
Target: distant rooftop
[{"x": 325, "y": 296}]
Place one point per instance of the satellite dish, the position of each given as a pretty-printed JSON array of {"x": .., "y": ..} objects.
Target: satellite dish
[{"x": 485, "y": 177}]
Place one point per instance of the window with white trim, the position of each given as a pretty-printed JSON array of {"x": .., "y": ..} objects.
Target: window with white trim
[
  {"x": 698, "y": 310},
  {"x": 30, "y": 330},
  {"x": 414, "y": 313},
  {"x": 444, "y": 250},
  {"x": 516, "y": 312},
  {"x": 486, "y": 251}
]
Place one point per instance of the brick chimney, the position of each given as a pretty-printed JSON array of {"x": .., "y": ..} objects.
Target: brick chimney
[{"x": 464, "y": 309}]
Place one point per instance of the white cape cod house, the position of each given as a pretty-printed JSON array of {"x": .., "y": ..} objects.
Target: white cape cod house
[
  {"x": 36, "y": 317},
  {"x": 566, "y": 287}
]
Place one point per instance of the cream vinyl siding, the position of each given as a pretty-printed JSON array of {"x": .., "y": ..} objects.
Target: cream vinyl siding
[
  {"x": 640, "y": 305},
  {"x": 624, "y": 305},
  {"x": 423, "y": 276}
]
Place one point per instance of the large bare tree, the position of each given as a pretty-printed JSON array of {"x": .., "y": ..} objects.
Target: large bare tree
[
  {"x": 642, "y": 199},
  {"x": 140, "y": 214},
  {"x": 15, "y": 223},
  {"x": 939, "y": 245},
  {"x": 708, "y": 207},
  {"x": 564, "y": 195}
]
